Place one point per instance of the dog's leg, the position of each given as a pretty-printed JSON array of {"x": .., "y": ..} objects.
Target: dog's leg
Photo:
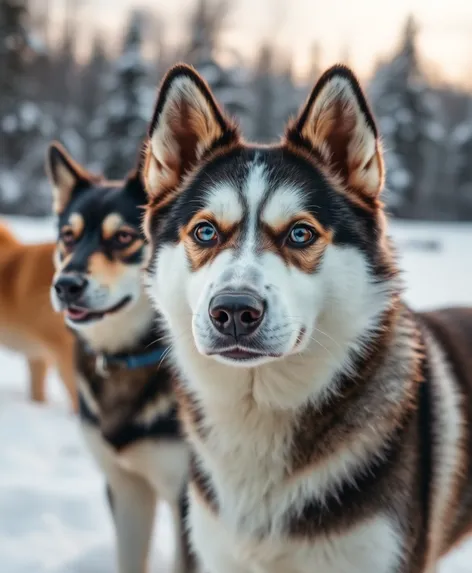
[
  {"x": 66, "y": 368},
  {"x": 111, "y": 500},
  {"x": 38, "y": 368},
  {"x": 185, "y": 560},
  {"x": 133, "y": 503}
]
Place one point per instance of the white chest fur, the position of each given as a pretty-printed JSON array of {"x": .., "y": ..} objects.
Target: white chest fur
[
  {"x": 163, "y": 464},
  {"x": 369, "y": 547}
]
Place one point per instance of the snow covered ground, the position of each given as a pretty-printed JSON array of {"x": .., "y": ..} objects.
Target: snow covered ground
[{"x": 53, "y": 516}]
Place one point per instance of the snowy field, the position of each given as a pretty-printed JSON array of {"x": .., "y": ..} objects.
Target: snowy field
[{"x": 53, "y": 517}]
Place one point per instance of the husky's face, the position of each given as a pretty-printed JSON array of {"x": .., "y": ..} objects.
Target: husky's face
[
  {"x": 258, "y": 252},
  {"x": 100, "y": 246}
]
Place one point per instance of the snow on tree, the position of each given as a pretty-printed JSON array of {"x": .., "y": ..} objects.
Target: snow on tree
[
  {"x": 122, "y": 119},
  {"x": 229, "y": 83},
  {"x": 288, "y": 97},
  {"x": 263, "y": 88},
  {"x": 461, "y": 159},
  {"x": 23, "y": 125},
  {"x": 408, "y": 114},
  {"x": 14, "y": 56},
  {"x": 92, "y": 96},
  {"x": 276, "y": 96}
]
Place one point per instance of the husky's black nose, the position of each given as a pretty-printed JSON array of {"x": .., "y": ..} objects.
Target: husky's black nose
[
  {"x": 69, "y": 288},
  {"x": 236, "y": 313}
]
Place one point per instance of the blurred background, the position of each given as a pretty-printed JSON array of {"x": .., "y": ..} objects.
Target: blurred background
[{"x": 85, "y": 72}]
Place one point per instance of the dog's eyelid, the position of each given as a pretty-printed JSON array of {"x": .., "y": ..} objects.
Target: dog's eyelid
[
  {"x": 67, "y": 232},
  {"x": 122, "y": 232},
  {"x": 303, "y": 223},
  {"x": 205, "y": 220}
]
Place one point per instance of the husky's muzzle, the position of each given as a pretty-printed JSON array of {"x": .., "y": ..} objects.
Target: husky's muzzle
[{"x": 236, "y": 318}]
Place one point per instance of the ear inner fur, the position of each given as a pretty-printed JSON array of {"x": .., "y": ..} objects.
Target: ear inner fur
[
  {"x": 336, "y": 122},
  {"x": 187, "y": 123},
  {"x": 65, "y": 175}
]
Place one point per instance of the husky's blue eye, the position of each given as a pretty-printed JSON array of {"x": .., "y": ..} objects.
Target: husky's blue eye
[
  {"x": 205, "y": 234},
  {"x": 301, "y": 235}
]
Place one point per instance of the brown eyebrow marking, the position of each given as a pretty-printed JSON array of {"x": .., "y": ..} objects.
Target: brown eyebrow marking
[
  {"x": 302, "y": 217},
  {"x": 132, "y": 249},
  {"x": 198, "y": 255},
  {"x": 205, "y": 215},
  {"x": 75, "y": 224},
  {"x": 111, "y": 224},
  {"x": 305, "y": 259}
]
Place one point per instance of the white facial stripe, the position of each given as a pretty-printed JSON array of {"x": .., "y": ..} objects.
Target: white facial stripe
[
  {"x": 254, "y": 190},
  {"x": 256, "y": 185},
  {"x": 224, "y": 203},
  {"x": 282, "y": 206}
]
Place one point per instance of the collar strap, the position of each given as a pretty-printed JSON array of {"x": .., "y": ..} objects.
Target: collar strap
[{"x": 104, "y": 361}]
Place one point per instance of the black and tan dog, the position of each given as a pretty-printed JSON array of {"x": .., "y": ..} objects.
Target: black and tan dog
[
  {"x": 330, "y": 425},
  {"x": 127, "y": 404}
]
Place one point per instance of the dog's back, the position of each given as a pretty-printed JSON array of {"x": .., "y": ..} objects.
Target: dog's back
[
  {"x": 28, "y": 323},
  {"x": 452, "y": 329}
]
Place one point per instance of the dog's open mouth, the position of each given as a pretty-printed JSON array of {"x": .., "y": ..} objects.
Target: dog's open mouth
[{"x": 79, "y": 314}]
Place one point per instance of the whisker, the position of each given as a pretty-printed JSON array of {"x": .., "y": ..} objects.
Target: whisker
[
  {"x": 328, "y": 336},
  {"x": 164, "y": 356}
]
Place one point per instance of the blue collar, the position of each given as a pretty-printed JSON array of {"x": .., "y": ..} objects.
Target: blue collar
[{"x": 103, "y": 361}]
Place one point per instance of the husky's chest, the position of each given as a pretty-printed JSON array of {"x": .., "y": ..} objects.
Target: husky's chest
[
  {"x": 372, "y": 546},
  {"x": 247, "y": 463}
]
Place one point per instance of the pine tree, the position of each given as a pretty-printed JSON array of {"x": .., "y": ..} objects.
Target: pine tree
[
  {"x": 408, "y": 114},
  {"x": 315, "y": 63},
  {"x": 23, "y": 125},
  {"x": 124, "y": 115},
  {"x": 66, "y": 103},
  {"x": 92, "y": 96},
  {"x": 227, "y": 83},
  {"x": 14, "y": 55},
  {"x": 287, "y": 97},
  {"x": 263, "y": 88},
  {"x": 460, "y": 155}
]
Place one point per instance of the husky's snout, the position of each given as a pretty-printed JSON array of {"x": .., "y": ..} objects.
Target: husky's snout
[{"x": 236, "y": 314}]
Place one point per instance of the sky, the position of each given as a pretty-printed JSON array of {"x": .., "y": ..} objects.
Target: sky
[{"x": 366, "y": 29}]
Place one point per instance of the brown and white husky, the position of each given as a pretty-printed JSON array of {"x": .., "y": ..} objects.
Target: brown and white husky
[{"x": 329, "y": 423}]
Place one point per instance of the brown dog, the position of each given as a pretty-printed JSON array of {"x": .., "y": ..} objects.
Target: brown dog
[{"x": 28, "y": 323}]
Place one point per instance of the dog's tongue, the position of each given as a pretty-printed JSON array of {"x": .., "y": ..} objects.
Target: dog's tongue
[{"x": 76, "y": 313}]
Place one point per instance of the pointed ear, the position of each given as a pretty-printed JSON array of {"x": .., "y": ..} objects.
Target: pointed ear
[
  {"x": 187, "y": 123},
  {"x": 135, "y": 186},
  {"x": 337, "y": 124},
  {"x": 65, "y": 174}
]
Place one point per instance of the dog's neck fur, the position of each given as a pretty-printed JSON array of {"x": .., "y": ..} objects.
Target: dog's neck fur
[
  {"x": 121, "y": 331},
  {"x": 290, "y": 383},
  {"x": 231, "y": 427}
]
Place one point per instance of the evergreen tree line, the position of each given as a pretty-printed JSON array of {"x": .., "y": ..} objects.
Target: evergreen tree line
[{"x": 100, "y": 108}]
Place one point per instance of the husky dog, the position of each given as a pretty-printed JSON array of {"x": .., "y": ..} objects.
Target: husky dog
[
  {"x": 329, "y": 424},
  {"x": 127, "y": 403}
]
